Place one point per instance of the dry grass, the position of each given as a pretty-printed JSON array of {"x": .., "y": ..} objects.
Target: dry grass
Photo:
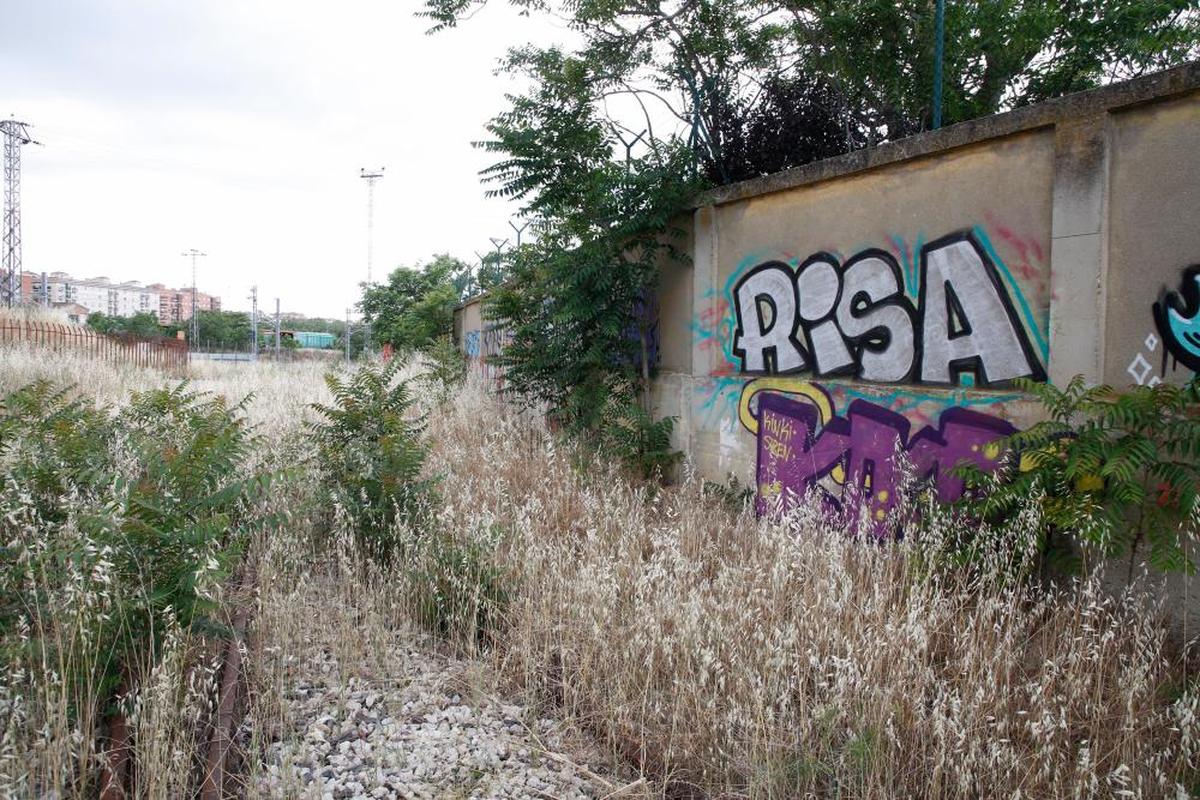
[
  {"x": 750, "y": 659},
  {"x": 716, "y": 653}
]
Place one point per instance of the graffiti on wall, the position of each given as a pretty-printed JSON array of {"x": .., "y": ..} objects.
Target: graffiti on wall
[
  {"x": 1175, "y": 340},
  {"x": 860, "y": 457},
  {"x": 856, "y": 319},
  {"x": 901, "y": 338},
  {"x": 480, "y": 348},
  {"x": 1177, "y": 317}
]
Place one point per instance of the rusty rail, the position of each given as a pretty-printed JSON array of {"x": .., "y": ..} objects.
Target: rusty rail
[
  {"x": 117, "y": 348},
  {"x": 221, "y": 735}
]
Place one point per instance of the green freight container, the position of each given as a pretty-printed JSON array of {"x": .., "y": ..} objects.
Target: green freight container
[{"x": 315, "y": 339}]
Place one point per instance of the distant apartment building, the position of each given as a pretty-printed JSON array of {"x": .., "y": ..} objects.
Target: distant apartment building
[
  {"x": 175, "y": 305},
  {"x": 115, "y": 299}
]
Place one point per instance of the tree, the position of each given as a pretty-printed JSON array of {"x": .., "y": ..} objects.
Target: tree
[
  {"x": 141, "y": 324},
  {"x": 578, "y": 302},
  {"x": 791, "y": 122},
  {"x": 998, "y": 55},
  {"x": 415, "y": 306},
  {"x": 710, "y": 63},
  {"x": 220, "y": 330}
]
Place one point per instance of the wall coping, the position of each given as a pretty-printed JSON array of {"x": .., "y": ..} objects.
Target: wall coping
[{"x": 1148, "y": 88}]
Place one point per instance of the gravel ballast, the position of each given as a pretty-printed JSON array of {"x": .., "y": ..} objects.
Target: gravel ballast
[{"x": 423, "y": 732}]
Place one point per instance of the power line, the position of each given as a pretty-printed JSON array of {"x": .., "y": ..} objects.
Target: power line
[{"x": 16, "y": 134}]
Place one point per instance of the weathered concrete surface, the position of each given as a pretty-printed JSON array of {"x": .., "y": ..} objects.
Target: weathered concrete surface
[{"x": 1154, "y": 230}]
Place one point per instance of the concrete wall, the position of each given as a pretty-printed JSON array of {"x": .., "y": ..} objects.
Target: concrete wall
[
  {"x": 887, "y": 298},
  {"x": 1153, "y": 235},
  {"x": 1056, "y": 229}
]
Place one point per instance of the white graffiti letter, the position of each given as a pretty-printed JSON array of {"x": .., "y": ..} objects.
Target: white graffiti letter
[
  {"x": 875, "y": 315},
  {"x": 756, "y": 337},
  {"x": 818, "y": 284},
  {"x": 967, "y": 319}
]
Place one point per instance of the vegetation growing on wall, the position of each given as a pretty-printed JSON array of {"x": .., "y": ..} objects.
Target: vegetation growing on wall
[
  {"x": 1111, "y": 472},
  {"x": 578, "y": 305}
]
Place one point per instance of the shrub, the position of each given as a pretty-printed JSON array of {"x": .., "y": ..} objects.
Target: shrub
[
  {"x": 154, "y": 491},
  {"x": 371, "y": 456},
  {"x": 120, "y": 527},
  {"x": 447, "y": 367},
  {"x": 1109, "y": 470},
  {"x": 627, "y": 432}
]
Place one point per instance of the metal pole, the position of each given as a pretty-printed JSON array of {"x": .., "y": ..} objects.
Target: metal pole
[
  {"x": 277, "y": 329},
  {"x": 16, "y": 134},
  {"x": 938, "y": 55},
  {"x": 194, "y": 254},
  {"x": 370, "y": 178},
  {"x": 519, "y": 231},
  {"x": 499, "y": 244},
  {"x": 254, "y": 323},
  {"x": 347, "y": 336}
]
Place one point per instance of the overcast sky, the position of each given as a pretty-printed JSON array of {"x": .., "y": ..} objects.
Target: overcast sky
[{"x": 239, "y": 128}]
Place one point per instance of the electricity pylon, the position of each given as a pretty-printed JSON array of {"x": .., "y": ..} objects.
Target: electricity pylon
[{"x": 16, "y": 134}]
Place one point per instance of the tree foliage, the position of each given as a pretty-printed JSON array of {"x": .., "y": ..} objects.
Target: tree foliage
[
  {"x": 578, "y": 301},
  {"x": 141, "y": 324},
  {"x": 998, "y": 55},
  {"x": 415, "y": 306},
  {"x": 217, "y": 330},
  {"x": 709, "y": 65}
]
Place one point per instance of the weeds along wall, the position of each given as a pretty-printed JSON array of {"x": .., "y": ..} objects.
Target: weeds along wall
[{"x": 832, "y": 314}]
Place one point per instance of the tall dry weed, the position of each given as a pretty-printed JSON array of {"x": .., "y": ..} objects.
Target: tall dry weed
[
  {"x": 748, "y": 658},
  {"x": 53, "y": 707}
]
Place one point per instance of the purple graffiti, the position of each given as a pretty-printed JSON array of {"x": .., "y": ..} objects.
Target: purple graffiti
[{"x": 793, "y": 455}]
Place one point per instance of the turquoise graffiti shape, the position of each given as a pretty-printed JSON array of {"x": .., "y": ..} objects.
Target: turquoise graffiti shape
[{"x": 1177, "y": 315}]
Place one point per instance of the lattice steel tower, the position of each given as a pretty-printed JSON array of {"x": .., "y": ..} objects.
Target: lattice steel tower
[{"x": 15, "y": 134}]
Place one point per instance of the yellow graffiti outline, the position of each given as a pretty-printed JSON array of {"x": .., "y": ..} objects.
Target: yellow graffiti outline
[{"x": 806, "y": 389}]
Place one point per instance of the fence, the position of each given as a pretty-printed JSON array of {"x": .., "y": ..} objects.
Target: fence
[{"x": 141, "y": 351}]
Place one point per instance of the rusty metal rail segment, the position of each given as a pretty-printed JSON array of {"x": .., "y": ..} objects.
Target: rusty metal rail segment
[{"x": 220, "y": 743}]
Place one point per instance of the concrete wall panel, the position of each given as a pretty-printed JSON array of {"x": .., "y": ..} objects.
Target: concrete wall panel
[{"x": 1154, "y": 236}]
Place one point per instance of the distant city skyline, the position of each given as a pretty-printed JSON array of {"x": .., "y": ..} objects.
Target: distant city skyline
[
  {"x": 114, "y": 297},
  {"x": 241, "y": 131}
]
